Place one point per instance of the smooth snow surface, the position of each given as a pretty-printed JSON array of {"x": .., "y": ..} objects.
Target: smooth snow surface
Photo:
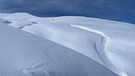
[
  {"x": 23, "y": 54},
  {"x": 109, "y": 43}
]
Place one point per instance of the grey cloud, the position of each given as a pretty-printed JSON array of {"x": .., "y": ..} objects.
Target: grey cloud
[{"x": 109, "y": 9}]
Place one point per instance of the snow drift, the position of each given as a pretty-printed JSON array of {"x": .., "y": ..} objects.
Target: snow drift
[
  {"x": 23, "y": 54},
  {"x": 109, "y": 43}
]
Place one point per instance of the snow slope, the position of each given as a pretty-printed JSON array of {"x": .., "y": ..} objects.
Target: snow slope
[
  {"x": 23, "y": 54},
  {"x": 109, "y": 43}
]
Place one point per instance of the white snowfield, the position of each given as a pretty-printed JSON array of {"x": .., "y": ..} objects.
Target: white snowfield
[{"x": 65, "y": 46}]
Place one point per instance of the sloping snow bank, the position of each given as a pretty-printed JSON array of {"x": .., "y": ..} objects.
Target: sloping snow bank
[
  {"x": 23, "y": 54},
  {"x": 115, "y": 40}
]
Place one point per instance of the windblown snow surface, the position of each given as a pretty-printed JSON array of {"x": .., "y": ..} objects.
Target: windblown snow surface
[{"x": 65, "y": 46}]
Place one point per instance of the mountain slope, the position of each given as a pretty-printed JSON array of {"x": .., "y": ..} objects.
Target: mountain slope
[
  {"x": 110, "y": 43},
  {"x": 23, "y": 54}
]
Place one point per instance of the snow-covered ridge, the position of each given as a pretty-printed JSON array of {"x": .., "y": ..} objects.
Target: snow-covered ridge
[
  {"x": 24, "y": 54},
  {"x": 110, "y": 43}
]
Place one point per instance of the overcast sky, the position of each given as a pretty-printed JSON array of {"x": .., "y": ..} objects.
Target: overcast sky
[{"x": 121, "y": 10}]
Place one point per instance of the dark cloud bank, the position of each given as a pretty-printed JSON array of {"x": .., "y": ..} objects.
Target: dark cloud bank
[{"x": 121, "y": 10}]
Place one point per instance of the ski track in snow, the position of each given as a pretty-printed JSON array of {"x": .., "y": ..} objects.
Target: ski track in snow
[{"x": 103, "y": 39}]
